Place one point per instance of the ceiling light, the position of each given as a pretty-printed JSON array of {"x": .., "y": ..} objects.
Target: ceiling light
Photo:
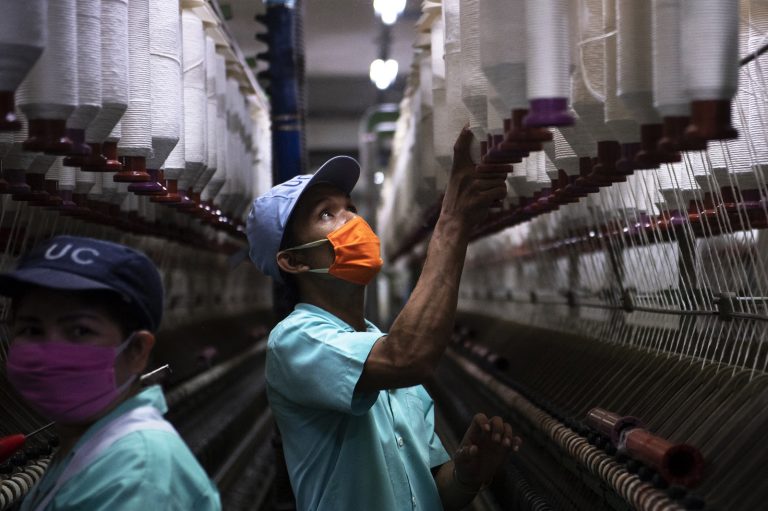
[
  {"x": 383, "y": 73},
  {"x": 388, "y": 10}
]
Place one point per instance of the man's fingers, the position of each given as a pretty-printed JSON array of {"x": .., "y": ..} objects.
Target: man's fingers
[
  {"x": 461, "y": 149},
  {"x": 497, "y": 429},
  {"x": 465, "y": 453}
]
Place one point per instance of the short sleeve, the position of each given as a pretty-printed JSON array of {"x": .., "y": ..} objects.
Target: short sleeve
[
  {"x": 315, "y": 364},
  {"x": 437, "y": 453}
]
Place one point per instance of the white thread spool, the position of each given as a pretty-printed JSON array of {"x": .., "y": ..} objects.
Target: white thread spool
[
  {"x": 437, "y": 53},
  {"x": 220, "y": 176},
  {"x": 457, "y": 114},
  {"x": 22, "y": 39},
  {"x": 440, "y": 116},
  {"x": 114, "y": 69},
  {"x": 474, "y": 85},
  {"x": 634, "y": 73},
  {"x": 669, "y": 95},
  {"x": 617, "y": 117},
  {"x": 195, "y": 101},
  {"x": 710, "y": 64},
  {"x": 49, "y": 91},
  {"x": 88, "y": 66},
  {"x": 84, "y": 181},
  {"x": 136, "y": 137},
  {"x": 425, "y": 80},
  {"x": 503, "y": 50},
  {"x": 165, "y": 73},
  {"x": 211, "y": 119},
  {"x": 497, "y": 109},
  {"x": 548, "y": 62}
]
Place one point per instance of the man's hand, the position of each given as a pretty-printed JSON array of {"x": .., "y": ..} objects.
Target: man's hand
[
  {"x": 470, "y": 193},
  {"x": 486, "y": 445}
]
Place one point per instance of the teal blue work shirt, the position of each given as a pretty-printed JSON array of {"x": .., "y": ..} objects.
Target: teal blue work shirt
[
  {"x": 344, "y": 450},
  {"x": 149, "y": 469}
]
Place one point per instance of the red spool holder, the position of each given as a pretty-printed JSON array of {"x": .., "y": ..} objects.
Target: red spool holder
[
  {"x": 153, "y": 187},
  {"x": 649, "y": 156},
  {"x": 605, "y": 171},
  {"x": 134, "y": 170},
  {"x": 677, "y": 463},
  {"x": 522, "y": 139},
  {"x": 172, "y": 196},
  {"x": 673, "y": 137},
  {"x": 48, "y": 136},
  {"x": 710, "y": 120}
]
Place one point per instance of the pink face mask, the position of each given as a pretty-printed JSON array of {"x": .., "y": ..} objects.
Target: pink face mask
[{"x": 65, "y": 382}]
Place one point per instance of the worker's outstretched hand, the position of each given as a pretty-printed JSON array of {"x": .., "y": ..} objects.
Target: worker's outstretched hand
[
  {"x": 470, "y": 193},
  {"x": 486, "y": 445}
]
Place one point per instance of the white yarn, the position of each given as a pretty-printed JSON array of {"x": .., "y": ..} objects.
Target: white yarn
[
  {"x": 551, "y": 169},
  {"x": 711, "y": 61},
  {"x": 669, "y": 95},
  {"x": 22, "y": 39},
  {"x": 474, "y": 85},
  {"x": 114, "y": 69},
  {"x": 50, "y": 89},
  {"x": 548, "y": 52},
  {"x": 425, "y": 81},
  {"x": 42, "y": 163},
  {"x": 165, "y": 73},
  {"x": 617, "y": 117},
  {"x": 211, "y": 93},
  {"x": 565, "y": 157},
  {"x": 451, "y": 27},
  {"x": 437, "y": 53},
  {"x": 503, "y": 56},
  {"x": 195, "y": 102},
  {"x": 634, "y": 81},
  {"x": 497, "y": 110},
  {"x": 116, "y": 132},
  {"x": 85, "y": 181},
  {"x": 591, "y": 111},
  {"x": 217, "y": 181},
  {"x": 88, "y": 64},
  {"x": 136, "y": 139},
  {"x": 579, "y": 139},
  {"x": 17, "y": 158},
  {"x": 66, "y": 175}
]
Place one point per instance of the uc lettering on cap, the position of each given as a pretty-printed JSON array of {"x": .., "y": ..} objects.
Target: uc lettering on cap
[{"x": 80, "y": 255}]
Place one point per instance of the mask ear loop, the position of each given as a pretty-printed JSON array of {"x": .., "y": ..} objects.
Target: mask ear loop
[
  {"x": 119, "y": 350},
  {"x": 311, "y": 244}
]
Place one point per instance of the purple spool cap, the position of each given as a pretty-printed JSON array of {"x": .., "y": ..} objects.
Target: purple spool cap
[
  {"x": 79, "y": 147},
  {"x": 151, "y": 187},
  {"x": 545, "y": 112}
]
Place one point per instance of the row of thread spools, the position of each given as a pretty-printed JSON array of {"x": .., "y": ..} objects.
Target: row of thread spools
[
  {"x": 620, "y": 85},
  {"x": 112, "y": 109}
]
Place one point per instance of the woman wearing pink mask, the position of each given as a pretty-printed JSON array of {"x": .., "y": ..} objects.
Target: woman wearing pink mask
[
  {"x": 357, "y": 425},
  {"x": 84, "y": 313}
]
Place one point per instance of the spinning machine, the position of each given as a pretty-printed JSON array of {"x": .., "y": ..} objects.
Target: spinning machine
[
  {"x": 614, "y": 307},
  {"x": 140, "y": 122}
]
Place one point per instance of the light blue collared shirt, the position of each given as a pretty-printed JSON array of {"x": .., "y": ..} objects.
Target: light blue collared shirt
[
  {"x": 148, "y": 469},
  {"x": 344, "y": 451}
]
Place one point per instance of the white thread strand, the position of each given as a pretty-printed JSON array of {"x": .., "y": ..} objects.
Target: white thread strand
[
  {"x": 503, "y": 58},
  {"x": 548, "y": 54},
  {"x": 136, "y": 139},
  {"x": 88, "y": 64},
  {"x": 114, "y": 69},
  {"x": 50, "y": 89},
  {"x": 165, "y": 72},
  {"x": 195, "y": 102},
  {"x": 22, "y": 39},
  {"x": 617, "y": 117}
]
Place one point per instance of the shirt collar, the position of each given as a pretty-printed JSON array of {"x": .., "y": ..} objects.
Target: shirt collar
[{"x": 314, "y": 309}]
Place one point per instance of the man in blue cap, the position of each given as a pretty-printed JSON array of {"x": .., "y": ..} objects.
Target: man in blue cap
[
  {"x": 357, "y": 425},
  {"x": 84, "y": 314}
]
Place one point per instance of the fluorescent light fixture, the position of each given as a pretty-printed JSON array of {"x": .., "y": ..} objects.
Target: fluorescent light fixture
[
  {"x": 388, "y": 10},
  {"x": 383, "y": 73}
]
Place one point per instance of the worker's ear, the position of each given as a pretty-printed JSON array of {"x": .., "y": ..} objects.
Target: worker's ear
[
  {"x": 290, "y": 262},
  {"x": 139, "y": 351}
]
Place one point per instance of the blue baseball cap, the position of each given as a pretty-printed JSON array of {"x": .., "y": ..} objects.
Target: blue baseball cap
[
  {"x": 270, "y": 212},
  {"x": 74, "y": 263}
]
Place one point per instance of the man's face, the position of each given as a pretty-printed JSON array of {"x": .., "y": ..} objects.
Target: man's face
[{"x": 322, "y": 209}]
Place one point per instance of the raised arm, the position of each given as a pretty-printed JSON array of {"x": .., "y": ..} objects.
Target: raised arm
[{"x": 422, "y": 330}]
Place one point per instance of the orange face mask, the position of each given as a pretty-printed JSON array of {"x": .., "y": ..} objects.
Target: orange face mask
[{"x": 357, "y": 252}]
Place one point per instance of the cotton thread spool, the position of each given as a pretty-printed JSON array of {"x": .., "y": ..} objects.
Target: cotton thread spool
[
  {"x": 634, "y": 76},
  {"x": 211, "y": 115},
  {"x": 165, "y": 74},
  {"x": 474, "y": 85},
  {"x": 548, "y": 62},
  {"x": 48, "y": 94},
  {"x": 22, "y": 39},
  {"x": 114, "y": 86},
  {"x": 669, "y": 96},
  {"x": 440, "y": 109},
  {"x": 457, "y": 114},
  {"x": 710, "y": 66},
  {"x": 88, "y": 75},
  {"x": 195, "y": 101},
  {"x": 135, "y": 144}
]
